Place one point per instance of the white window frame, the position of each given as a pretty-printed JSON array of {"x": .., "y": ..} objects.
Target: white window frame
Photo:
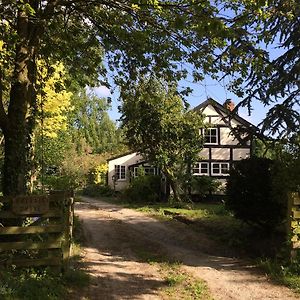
[
  {"x": 199, "y": 167},
  {"x": 135, "y": 171},
  {"x": 120, "y": 172},
  {"x": 207, "y": 134},
  {"x": 220, "y": 173},
  {"x": 150, "y": 172}
]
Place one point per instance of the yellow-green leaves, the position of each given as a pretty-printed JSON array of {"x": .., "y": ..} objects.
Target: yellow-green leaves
[{"x": 55, "y": 101}]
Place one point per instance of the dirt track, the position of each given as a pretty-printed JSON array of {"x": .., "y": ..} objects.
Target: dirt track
[{"x": 113, "y": 235}]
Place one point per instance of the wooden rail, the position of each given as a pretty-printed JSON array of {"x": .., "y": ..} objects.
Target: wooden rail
[
  {"x": 293, "y": 225},
  {"x": 36, "y": 230}
]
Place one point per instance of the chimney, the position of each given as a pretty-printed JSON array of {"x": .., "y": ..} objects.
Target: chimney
[{"x": 229, "y": 104}]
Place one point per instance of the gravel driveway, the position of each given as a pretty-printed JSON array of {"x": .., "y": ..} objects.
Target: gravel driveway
[{"x": 114, "y": 233}]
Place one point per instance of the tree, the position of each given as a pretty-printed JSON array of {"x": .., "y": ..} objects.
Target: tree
[
  {"x": 54, "y": 102},
  {"x": 90, "y": 121},
  {"x": 149, "y": 37},
  {"x": 158, "y": 126},
  {"x": 263, "y": 58},
  {"x": 257, "y": 192},
  {"x": 53, "y": 106}
]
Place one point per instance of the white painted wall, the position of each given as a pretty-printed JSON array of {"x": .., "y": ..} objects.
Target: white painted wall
[
  {"x": 217, "y": 121},
  {"x": 239, "y": 154},
  {"x": 209, "y": 110},
  {"x": 126, "y": 160},
  {"x": 204, "y": 154},
  {"x": 220, "y": 153},
  {"x": 226, "y": 138}
]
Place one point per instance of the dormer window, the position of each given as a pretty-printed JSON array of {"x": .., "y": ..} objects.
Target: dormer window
[{"x": 211, "y": 136}]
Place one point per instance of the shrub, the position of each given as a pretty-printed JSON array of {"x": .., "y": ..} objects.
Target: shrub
[
  {"x": 144, "y": 188},
  {"x": 95, "y": 190},
  {"x": 256, "y": 194},
  {"x": 204, "y": 185},
  {"x": 59, "y": 182},
  {"x": 97, "y": 175}
]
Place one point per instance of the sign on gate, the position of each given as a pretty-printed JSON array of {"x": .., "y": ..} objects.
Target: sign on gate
[{"x": 27, "y": 205}]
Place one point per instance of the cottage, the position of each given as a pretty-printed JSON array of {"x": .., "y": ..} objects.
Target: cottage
[
  {"x": 123, "y": 168},
  {"x": 222, "y": 146}
]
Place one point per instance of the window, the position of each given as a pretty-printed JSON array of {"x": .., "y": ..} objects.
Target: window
[
  {"x": 220, "y": 169},
  {"x": 148, "y": 170},
  {"x": 120, "y": 172},
  {"x": 200, "y": 168},
  {"x": 211, "y": 136}
]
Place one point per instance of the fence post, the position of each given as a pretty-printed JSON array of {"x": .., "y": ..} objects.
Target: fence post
[
  {"x": 68, "y": 226},
  {"x": 293, "y": 224}
]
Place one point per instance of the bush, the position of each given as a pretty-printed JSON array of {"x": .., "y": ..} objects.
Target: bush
[
  {"x": 98, "y": 174},
  {"x": 98, "y": 190},
  {"x": 203, "y": 185},
  {"x": 59, "y": 182},
  {"x": 256, "y": 194},
  {"x": 144, "y": 188}
]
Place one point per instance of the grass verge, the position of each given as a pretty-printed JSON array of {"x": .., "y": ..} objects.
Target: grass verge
[
  {"x": 288, "y": 275},
  {"x": 44, "y": 283},
  {"x": 179, "y": 284}
]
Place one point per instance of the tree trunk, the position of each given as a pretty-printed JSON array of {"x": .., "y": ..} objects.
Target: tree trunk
[
  {"x": 18, "y": 125},
  {"x": 175, "y": 189},
  {"x": 16, "y": 168}
]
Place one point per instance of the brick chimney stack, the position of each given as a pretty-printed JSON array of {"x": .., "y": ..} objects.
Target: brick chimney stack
[{"x": 229, "y": 104}]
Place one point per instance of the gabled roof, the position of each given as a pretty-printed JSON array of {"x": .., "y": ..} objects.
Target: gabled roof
[
  {"x": 221, "y": 108},
  {"x": 141, "y": 163},
  {"x": 121, "y": 155}
]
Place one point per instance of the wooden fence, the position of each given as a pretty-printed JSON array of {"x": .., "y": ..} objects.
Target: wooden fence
[
  {"x": 36, "y": 230},
  {"x": 293, "y": 226}
]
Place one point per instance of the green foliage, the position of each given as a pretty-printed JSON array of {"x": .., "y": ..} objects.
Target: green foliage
[
  {"x": 257, "y": 192},
  {"x": 39, "y": 283},
  {"x": 154, "y": 37},
  {"x": 71, "y": 170},
  {"x": 203, "y": 185},
  {"x": 60, "y": 182},
  {"x": 144, "y": 189},
  {"x": 98, "y": 174},
  {"x": 157, "y": 124},
  {"x": 90, "y": 121},
  {"x": 97, "y": 190},
  {"x": 31, "y": 285},
  {"x": 283, "y": 272},
  {"x": 76, "y": 278},
  {"x": 50, "y": 152},
  {"x": 271, "y": 77}
]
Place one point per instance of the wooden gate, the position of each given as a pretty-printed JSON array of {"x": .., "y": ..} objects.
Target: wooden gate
[
  {"x": 293, "y": 224},
  {"x": 42, "y": 236}
]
